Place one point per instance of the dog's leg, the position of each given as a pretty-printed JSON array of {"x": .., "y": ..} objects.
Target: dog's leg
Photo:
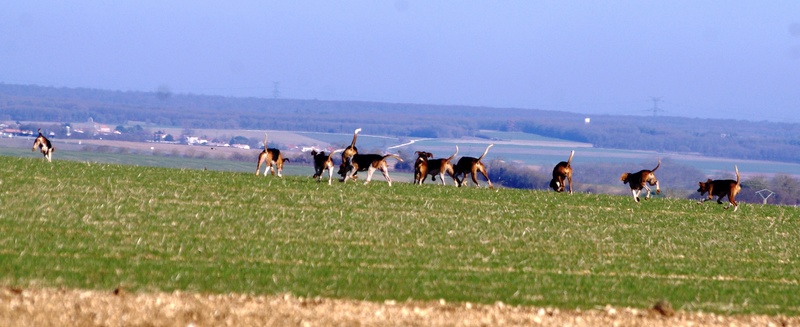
[
  {"x": 349, "y": 174},
  {"x": 474, "y": 174},
  {"x": 459, "y": 181},
  {"x": 635, "y": 195},
  {"x": 569, "y": 179},
  {"x": 647, "y": 196},
  {"x": 385, "y": 172},
  {"x": 370, "y": 171},
  {"x": 483, "y": 172},
  {"x": 261, "y": 159},
  {"x": 732, "y": 199},
  {"x": 330, "y": 174}
]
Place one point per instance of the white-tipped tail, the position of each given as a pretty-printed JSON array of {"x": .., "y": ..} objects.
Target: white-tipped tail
[{"x": 486, "y": 151}]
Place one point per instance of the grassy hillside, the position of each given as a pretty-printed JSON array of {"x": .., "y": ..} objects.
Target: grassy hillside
[{"x": 100, "y": 226}]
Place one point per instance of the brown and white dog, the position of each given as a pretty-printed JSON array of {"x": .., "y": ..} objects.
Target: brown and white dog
[
  {"x": 44, "y": 145},
  {"x": 640, "y": 179},
  {"x": 425, "y": 166},
  {"x": 348, "y": 154},
  {"x": 370, "y": 163},
  {"x": 721, "y": 189},
  {"x": 323, "y": 162},
  {"x": 562, "y": 171},
  {"x": 471, "y": 166},
  {"x": 273, "y": 159}
]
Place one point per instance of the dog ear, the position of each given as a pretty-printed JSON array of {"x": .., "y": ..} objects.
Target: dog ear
[{"x": 624, "y": 178}]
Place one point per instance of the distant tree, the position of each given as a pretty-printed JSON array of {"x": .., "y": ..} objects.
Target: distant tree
[
  {"x": 786, "y": 188},
  {"x": 427, "y": 132},
  {"x": 408, "y": 161},
  {"x": 516, "y": 176},
  {"x": 239, "y": 140}
]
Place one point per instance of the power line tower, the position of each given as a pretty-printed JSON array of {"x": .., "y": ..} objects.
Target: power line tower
[
  {"x": 655, "y": 108},
  {"x": 765, "y": 194},
  {"x": 276, "y": 90}
]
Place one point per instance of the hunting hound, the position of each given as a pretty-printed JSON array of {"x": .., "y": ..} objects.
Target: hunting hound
[
  {"x": 720, "y": 189},
  {"x": 425, "y": 166},
  {"x": 641, "y": 179},
  {"x": 370, "y": 163},
  {"x": 471, "y": 166},
  {"x": 272, "y": 158},
  {"x": 44, "y": 145},
  {"x": 562, "y": 172}
]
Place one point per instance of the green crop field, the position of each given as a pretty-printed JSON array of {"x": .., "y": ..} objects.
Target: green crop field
[{"x": 85, "y": 225}]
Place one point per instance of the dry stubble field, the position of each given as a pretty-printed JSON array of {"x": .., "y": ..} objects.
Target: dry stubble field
[{"x": 62, "y": 307}]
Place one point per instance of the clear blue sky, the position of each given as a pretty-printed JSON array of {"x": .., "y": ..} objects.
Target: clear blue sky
[{"x": 724, "y": 59}]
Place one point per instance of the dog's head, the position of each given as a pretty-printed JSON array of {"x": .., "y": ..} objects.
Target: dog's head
[
  {"x": 424, "y": 154},
  {"x": 624, "y": 178},
  {"x": 422, "y": 158},
  {"x": 319, "y": 157},
  {"x": 704, "y": 186}
]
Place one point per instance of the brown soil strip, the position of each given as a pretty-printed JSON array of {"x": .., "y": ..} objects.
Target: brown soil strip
[{"x": 63, "y": 307}]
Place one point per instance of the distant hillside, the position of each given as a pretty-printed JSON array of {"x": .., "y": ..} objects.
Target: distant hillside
[{"x": 710, "y": 137}]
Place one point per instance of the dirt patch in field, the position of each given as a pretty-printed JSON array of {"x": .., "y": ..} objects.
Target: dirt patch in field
[{"x": 59, "y": 307}]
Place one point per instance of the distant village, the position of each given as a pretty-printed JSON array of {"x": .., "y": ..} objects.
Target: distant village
[{"x": 93, "y": 129}]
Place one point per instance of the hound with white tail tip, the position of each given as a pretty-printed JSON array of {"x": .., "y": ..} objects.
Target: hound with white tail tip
[
  {"x": 44, "y": 145},
  {"x": 272, "y": 158},
  {"x": 639, "y": 180},
  {"x": 471, "y": 166},
  {"x": 562, "y": 172},
  {"x": 347, "y": 155},
  {"x": 721, "y": 189}
]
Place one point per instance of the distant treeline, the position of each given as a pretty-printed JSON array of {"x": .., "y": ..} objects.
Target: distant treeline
[{"x": 710, "y": 137}]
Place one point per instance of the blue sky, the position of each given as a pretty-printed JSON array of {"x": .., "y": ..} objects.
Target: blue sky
[{"x": 708, "y": 59}]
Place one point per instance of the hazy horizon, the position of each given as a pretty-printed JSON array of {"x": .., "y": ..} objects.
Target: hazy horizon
[{"x": 734, "y": 59}]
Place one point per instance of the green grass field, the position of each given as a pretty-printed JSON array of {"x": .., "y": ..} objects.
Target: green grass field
[{"x": 99, "y": 226}]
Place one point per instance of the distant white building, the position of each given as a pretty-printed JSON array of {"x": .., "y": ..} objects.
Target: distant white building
[{"x": 194, "y": 140}]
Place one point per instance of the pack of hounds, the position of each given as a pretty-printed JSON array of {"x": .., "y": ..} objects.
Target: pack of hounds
[{"x": 425, "y": 165}]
